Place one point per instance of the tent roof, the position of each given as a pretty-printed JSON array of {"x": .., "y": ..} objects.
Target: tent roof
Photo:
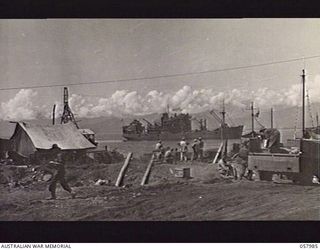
[
  {"x": 66, "y": 136},
  {"x": 6, "y": 129}
]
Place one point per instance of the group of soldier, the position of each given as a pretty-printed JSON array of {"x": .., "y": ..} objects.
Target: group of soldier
[
  {"x": 180, "y": 153},
  {"x": 235, "y": 164}
]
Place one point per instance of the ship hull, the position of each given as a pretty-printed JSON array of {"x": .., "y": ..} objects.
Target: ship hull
[{"x": 228, "y": 133}]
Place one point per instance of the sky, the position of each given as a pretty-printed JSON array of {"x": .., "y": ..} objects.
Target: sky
[{"x": 66, "y": 51}]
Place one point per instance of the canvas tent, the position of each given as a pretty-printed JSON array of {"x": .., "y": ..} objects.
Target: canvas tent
[
  {"x": 28, "y": 138},
  {"x": 6, "y": 131}
]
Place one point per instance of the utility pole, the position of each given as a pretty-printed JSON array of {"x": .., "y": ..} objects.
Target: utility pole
[
  {"x": 271, "y": 117},
  {"x": 252, "y": 119},
  {"x": 53, "y": 114},
  {"x": 303, "y": 100}
]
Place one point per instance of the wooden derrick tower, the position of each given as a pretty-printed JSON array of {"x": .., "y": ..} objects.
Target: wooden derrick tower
[{"x": 67, "y": 115}]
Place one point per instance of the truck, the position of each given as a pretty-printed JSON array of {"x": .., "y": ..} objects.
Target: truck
[{"x": 298, "y": 167}]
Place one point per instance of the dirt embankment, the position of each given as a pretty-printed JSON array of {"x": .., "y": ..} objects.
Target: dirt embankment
[{"x": 204, "y": 197}]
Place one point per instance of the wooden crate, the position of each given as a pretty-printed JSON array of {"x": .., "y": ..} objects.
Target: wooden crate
[{"x": 182, "y": 172}]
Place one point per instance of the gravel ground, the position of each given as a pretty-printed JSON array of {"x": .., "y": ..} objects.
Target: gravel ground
[{"x": 205, "y": 196}]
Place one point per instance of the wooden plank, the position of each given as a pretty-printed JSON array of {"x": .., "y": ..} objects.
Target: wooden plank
[
  {"x": 147, "y": 173},
  {"x": 123, "y": 170},
  {"x": 218, "y": 153}
]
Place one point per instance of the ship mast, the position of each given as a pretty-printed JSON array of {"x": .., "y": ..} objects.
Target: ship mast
[
  {"x": 223, "y": 114},
  {"x": 271, "y": 117},
  {"x": 67, "y": 114},
  {"x": 222, "y": 127}
]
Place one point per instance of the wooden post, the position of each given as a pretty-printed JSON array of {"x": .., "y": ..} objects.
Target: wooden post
[
  {"x": 123, "y": 170},
  {"x": 218, "y": 153},
  {"x": 147, "y": 173}
]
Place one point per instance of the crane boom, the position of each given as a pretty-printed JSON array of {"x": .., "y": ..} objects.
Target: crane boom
[
  {"x": 147, "y": 121},
  {"x": 214, "y": 114}
]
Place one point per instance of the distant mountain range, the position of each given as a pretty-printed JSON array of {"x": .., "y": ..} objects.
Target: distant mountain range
[{"x": 110, "y": 128}]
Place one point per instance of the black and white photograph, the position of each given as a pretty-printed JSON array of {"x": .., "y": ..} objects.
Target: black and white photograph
[{"x": 159, "y": 119}]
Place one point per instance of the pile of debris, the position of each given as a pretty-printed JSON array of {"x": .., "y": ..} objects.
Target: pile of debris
[
  {"x": 19, "y": 176},
  {"x": 19, "y": 171}
]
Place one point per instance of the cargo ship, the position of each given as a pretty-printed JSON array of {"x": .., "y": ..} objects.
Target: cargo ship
[{"x": 176, "y": 126}]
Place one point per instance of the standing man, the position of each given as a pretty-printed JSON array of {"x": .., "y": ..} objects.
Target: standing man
[
  {"x": 168, "y": 156},
  {"x": 159, "y": 145},
  {"x": 240, "y": 162},
  {"x": 58, "y": 171},
  {"x": 272, "y": 136},
  {"x": 195, "y": 150},
  {"x": 183, "y": 150},
  {"x": 159, "y": 150},
  {"x": 201, "y": 147}
]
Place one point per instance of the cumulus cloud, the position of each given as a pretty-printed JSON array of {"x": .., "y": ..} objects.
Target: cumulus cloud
[
  {"x": 314, "y": 88},
  {"x": 187, "y": 99},
  {"x": 21, "y": 106}
]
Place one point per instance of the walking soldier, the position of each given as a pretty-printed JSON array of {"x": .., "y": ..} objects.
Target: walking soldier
[{"x": 57, "y": 169}]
